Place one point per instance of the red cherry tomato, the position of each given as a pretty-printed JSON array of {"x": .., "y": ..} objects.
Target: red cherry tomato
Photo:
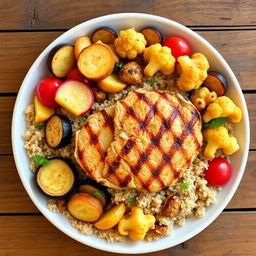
[
  {"x": 75, "y": 74},
  {"x": 218, "y": 172},
  {"x": 178, "y": 45},
  {"x": 46, "y": 90}
]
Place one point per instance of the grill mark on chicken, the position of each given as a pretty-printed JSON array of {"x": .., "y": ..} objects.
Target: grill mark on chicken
[
  {"x": 128, "y": 146},
  {"x": 125, "y": 182},
  {"x": 108, "y": 120}
]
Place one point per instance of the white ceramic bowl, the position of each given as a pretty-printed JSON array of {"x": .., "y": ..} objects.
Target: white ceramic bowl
[{"x": 167, "y": 27}]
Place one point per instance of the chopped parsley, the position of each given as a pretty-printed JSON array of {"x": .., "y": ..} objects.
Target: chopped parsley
[
  {"x": 214, "y": 123},
  {"x": 41, "y": 160},
  {"x": 131, "y": 200},
  {"x": 39, "y": 126},
  {"x": 184, "y": 185},
  {"x": 118, "y": 66},
  {"x": 96, "y": 194},
  {"x": 153, "y": 82},
  {"x": 84, "y": 118}
]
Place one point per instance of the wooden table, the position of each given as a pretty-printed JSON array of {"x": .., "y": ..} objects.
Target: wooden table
[{"x": 28, "y": 26}]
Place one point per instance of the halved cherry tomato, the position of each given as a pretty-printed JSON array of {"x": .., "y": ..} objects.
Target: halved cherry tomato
[
  {"x": 75, "y": 74},
  {"x": 46, "y": 90},
  {"x": 218, "y": 172},
  {"x": 178, "y": 45}
]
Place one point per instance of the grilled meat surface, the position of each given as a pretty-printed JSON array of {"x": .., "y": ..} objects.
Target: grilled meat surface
[{"x": 156, "y": 137}]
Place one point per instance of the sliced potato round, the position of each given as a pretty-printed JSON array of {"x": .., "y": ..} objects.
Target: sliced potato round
[
  {"x": 63, "y": 61},
  {"x": 96, "y": 62},
  {"x": 80, "y": 44}
]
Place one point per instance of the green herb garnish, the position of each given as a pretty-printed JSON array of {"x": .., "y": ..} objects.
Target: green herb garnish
[
  {"x": 153, "y": 82},
  {"x": 84, "y": 118},
  {"x": 184, "y": 185},
  {"x": 41, "y": 160},
  {"x": 214, "y": 123},
  {"x": 118, "y": 66},
  {"x": 198, "y": 89},
  {"x": 39, "y": 126},
  {"x": 96, "y": 194},
  {"x": 131, "y": 200}
]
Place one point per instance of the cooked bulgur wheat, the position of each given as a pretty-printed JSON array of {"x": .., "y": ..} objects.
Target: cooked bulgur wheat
[{"x": 194, "y": 199}]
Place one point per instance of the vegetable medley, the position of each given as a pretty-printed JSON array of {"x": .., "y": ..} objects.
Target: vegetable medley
[{"x": 106, "y": 63}]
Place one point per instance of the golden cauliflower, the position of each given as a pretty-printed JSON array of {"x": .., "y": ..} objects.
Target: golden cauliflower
[
  {"x": 130, "y": 43},
  {"x": 193, "y": 71},
  {"x": 159, "y": 58},
  {"x": 202, "y": 98},
  {"x": 136, "y": 225},
  {"x": 218, "y": 138},
  {"x": 223, "y": 107}
]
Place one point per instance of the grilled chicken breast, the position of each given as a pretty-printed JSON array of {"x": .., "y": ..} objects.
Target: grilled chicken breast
[{"x": 156, "y": 137}]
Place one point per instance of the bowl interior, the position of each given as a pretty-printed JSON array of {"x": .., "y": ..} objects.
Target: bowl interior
[{"x": 122, "y": 21}]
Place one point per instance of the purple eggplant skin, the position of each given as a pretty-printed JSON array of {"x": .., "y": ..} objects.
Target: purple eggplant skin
[
  {"x": 72, "y": 188},
  {"x": 109, "y": 32},
  {"x": 152, "y": 35},
  {"x": 51, "y": 54},
  {"x": 66, "y": 131},
  {"x": 217, "y": 82}
]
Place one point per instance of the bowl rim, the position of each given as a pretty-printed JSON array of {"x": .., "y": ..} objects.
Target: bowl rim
[{"x": 212, "y": 217}]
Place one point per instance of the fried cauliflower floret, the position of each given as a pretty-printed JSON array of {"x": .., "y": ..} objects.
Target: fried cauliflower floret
[
  {"x": 202, "y": 98},
  {"x": 130, "y": 43},
  {"x": 193, "y": 71},
  {"x": 218, "y": 138},
  {"x": 136, "y": 224},
  {"x": 159, "y": 58},
  {"x": 223, "y": 107}
]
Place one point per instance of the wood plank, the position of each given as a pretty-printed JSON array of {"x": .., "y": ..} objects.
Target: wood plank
[
  {"x": 6, "y": 108},
  {"x": 19, "y": 50},
  {"x": 231, "y": 234},
  {"x": 11, "y": 186},
  {"x": 32, "y": 14},
  {"x": 195, "y": 13}
]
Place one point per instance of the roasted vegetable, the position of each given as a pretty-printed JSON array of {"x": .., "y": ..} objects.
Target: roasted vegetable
[
  {"x": 216, "y": 82},
  {"x": 131, "y": 73},
  {"x": 136, "y": 224},
  {"x": 63, "y": 61},
  {"x": 112, "y": 49},
  {"x": 130, "y": 43},
  {"x": 76, "y": 97},
  {"x": 202, "y": 98},
  {"x": 171, "y": 206},
  {"x": 159, "y": 58},
  {"x": 85, "y": 207},
  {"x": 80, "y": 44},
  {"x": 152, "y": 35},
  {"x": 110, "y": 218},
  {"x": 58, "y": 131},
  {"x": 99, "y": 95},
  {"x": 223, "y": 107},
  {"x": 95, "y": 189},
  {"x": 111, "y": 84},
  {"x": 105, "y": 34},
  {"x": 218, "y": 138},
  {"x": 96, "y": 62},
  {"x": 193, "y": 71},
  {"x": 42, "y": 113},
  {"x": 75, "y": 74},
  {"x": 57, "y": 178},
  {"x": 159, "y": 230}
]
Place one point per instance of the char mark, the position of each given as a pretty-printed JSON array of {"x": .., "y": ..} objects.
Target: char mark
[
  {"x": 125, "y": 182},
  {"x": 108, "y": 120},
  {"x": 156, "y": 173},
  {"x": 127, "y": 147},
  {"x": 113, "y": 167}
]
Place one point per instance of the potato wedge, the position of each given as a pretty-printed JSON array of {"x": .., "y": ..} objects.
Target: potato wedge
[
  {"x": 96, "y": 62},
  {"x": 42, "y": 113},
  {"x": 111, "y": 84},
  {"x": 85, "y": 207},
  {"x": 110, "y": 218},
  {"x": 80, "y": 44}
]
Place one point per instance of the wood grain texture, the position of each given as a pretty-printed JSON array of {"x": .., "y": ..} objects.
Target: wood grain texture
[
  {"x": 64, "y": 14},
  {"x": 212, "y": 13},
  {"x": 38, "y": 237},
  {"x": 14, "y": 199},
  {"x": 7, "y": 103},
  {"x": 19, "y": 50}
]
